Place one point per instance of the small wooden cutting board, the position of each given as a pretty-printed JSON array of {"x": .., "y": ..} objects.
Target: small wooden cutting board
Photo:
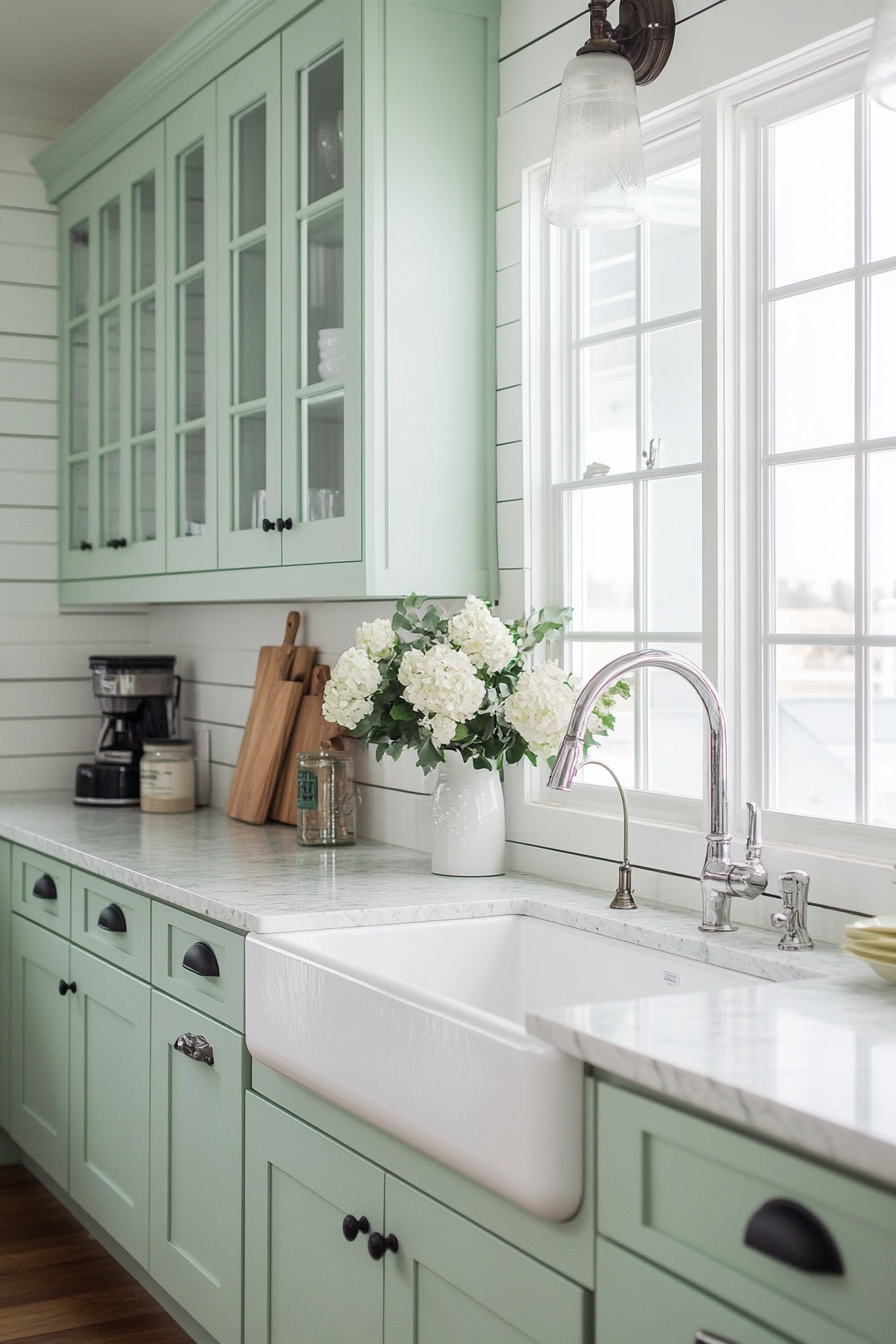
[
  {"x": 309, "y": 732},
  {"x": 272, "y": 717}
]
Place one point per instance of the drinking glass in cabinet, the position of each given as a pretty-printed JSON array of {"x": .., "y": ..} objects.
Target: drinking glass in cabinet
[
  {"x": 145, "y": 366},
  {"x": 325, "y": 458},
  {"x": 110, "y": 340},
  {"x": 192, "y": 343}
]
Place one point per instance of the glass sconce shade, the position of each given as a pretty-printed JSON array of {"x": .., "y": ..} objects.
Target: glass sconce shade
[
  {"x": 597, "y": 178},
  {"x": 880, "y": 76}
]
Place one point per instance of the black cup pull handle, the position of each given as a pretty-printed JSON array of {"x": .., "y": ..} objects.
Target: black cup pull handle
[
  {"x": 201, "y": 960},
  {"x": 707, "y": 1337},
  {"x": 378, "y": 1245},
  {"x": 351, "y": 1226},
  {"x": 792, "y": 1234},
  {"x": 195, "y": 1047},
  {"x": 67, "y": 987},
  {"x": 112, "y": 919},
  {"x": 45, "y": 888}
]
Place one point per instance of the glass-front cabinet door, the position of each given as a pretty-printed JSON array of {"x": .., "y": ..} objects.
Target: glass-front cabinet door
[
  {"x": 250, "y": 516},
  {"x": 191, "y": 162},
  {"x": 112, "y": 400},
  {"x": 322, "y": 267}
]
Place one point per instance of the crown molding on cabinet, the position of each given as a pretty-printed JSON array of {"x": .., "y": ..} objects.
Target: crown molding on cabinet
[{"x": 216, "y": 39}]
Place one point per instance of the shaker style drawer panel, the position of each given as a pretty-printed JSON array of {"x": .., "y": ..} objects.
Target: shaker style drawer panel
[
  {"x": 41, "y": 889},
  {"x": 111, "y": 922},
  {"x": 199, "y": 963},
  {"x": 636, "y": 1303},
  {"x": 781, "y": 1237}
]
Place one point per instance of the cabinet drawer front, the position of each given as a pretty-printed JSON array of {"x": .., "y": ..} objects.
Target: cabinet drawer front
[
  {"x": 681, "y": 1191},
  {"x": 111, "y": 922},
  {"x": 196, "y": 1165},
  {"x": 176, "y": 936},
  {"x": 636, "y": 1303},
  {"x": 41, "y": 889}
]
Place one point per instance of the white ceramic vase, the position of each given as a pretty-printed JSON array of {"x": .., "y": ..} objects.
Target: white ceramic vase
[{"x": 467, "y": 820}]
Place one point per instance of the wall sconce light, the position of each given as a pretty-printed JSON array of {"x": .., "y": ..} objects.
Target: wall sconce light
[
  {"x": 880, "y": 75},
  {"x": 597, "y": 178}
]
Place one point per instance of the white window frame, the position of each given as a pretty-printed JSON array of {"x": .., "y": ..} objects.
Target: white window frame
[{"x": 557, "y": 833}]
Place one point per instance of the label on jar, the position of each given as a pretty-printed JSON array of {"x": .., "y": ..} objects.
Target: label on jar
[
  {"x": 166, "y": 779},
  {"x": 307, "y": 790}
]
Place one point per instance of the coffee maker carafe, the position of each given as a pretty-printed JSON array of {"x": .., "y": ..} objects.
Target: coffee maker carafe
[{"x": 138, "y": 697}]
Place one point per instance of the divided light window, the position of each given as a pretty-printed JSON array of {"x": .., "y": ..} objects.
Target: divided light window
[
  {"x": 827, "y": 311},
  {"x": 627, "y": 465}
]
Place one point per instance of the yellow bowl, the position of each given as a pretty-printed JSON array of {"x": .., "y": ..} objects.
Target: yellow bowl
[{"x": 885, "y": 968}]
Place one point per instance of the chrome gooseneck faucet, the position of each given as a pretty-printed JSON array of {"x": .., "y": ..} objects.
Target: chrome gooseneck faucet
[{"x": 721, "y": 879}]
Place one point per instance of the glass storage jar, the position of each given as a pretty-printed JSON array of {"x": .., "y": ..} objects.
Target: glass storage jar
[
  {"x": 168, "y": 775},
  {"x": 327, "y": 799}
]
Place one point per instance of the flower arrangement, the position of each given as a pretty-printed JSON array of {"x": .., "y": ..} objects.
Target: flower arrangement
[{"x": 429, "y": 682}]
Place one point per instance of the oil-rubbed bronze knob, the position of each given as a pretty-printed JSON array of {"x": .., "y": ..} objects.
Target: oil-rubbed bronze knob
[
  {"x": 378, "y": 1245},
  {"x": 351, "y": 1226}
]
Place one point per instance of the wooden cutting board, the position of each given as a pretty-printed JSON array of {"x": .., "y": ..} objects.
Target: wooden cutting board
[
  {"x": 272, "y": 717},
  {"x": 309, "y": 731}
]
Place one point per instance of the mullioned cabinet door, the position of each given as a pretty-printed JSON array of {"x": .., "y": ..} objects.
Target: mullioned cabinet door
[
  {"x": 109, "y": 1117},
  {"x": 450, "y": 1280},
  {"x": 198, "y": 1073},
  {"x": 304, "y": 1279},
  {"x": 39, "y": 1046}
]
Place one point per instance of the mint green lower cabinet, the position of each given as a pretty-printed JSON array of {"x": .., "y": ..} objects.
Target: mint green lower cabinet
[
  {"x": 5, "y": 879},
  {"x": 196, "y": 1167},
  {"x": 304, "y": 1280},
  {"x": 451, "y": 1281},
  {"x": 636, "y": 1303},
  {"x": 38, "y": 1103},
  {"x": 109, "y": 1100}
]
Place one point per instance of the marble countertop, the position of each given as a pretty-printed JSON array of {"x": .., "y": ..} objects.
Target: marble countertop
[{"x": 807, "y": 1058}]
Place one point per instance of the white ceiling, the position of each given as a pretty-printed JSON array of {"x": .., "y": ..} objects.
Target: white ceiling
[{"x": 84, "y": 47}]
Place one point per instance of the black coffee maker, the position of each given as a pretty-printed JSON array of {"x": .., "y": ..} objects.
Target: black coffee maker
[{"x": 138, "y": 697}]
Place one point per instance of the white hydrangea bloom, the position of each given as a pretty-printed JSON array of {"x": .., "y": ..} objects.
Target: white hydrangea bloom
[
  {"x": 377, "y": 638},
  {"x": 540, "y": 707},
  {"x": 483, "y": 638},
  {"x": 441, "y": 684},
  {"x": 347, "y": 693}
]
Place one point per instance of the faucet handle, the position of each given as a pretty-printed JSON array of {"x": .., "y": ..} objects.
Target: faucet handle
[
  {"x": 792, "y": 919},
  {"x": 754, "y": 833}
]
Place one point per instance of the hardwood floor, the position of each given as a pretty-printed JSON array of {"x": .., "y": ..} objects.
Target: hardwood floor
[{"x": 58, "y": 1285}]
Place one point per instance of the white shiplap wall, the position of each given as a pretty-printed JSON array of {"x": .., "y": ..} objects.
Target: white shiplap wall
[{"x": 47, "y": 720}]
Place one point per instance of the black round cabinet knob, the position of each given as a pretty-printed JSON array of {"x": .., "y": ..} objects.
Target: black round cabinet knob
[
  {"x": 67, "y": 988},
  {"x": 351, "y": 1226},
  {"x": 267, "y": 525},
  {"x": 378, "y": 1245},
  {"x": 284, "y": 524}
]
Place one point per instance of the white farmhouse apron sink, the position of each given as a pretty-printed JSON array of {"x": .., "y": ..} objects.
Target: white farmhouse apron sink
[{"x": 419, "y": 1029}]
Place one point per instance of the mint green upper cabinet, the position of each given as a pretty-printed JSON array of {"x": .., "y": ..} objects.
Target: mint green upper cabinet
[
  {"x": 112, "y": 396},
  {"x": 322, "y": 251},
  {"x": 191, "y": 166},
  {"x": 249, "y": 296},
  {"x": 319, "y": 322},
  {"x": 5, "y": 884}
]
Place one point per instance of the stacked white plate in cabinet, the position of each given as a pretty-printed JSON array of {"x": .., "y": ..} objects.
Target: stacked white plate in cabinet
[
  {"x": 331, "y": 348},
  {"x": 874, "y": 941}
]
